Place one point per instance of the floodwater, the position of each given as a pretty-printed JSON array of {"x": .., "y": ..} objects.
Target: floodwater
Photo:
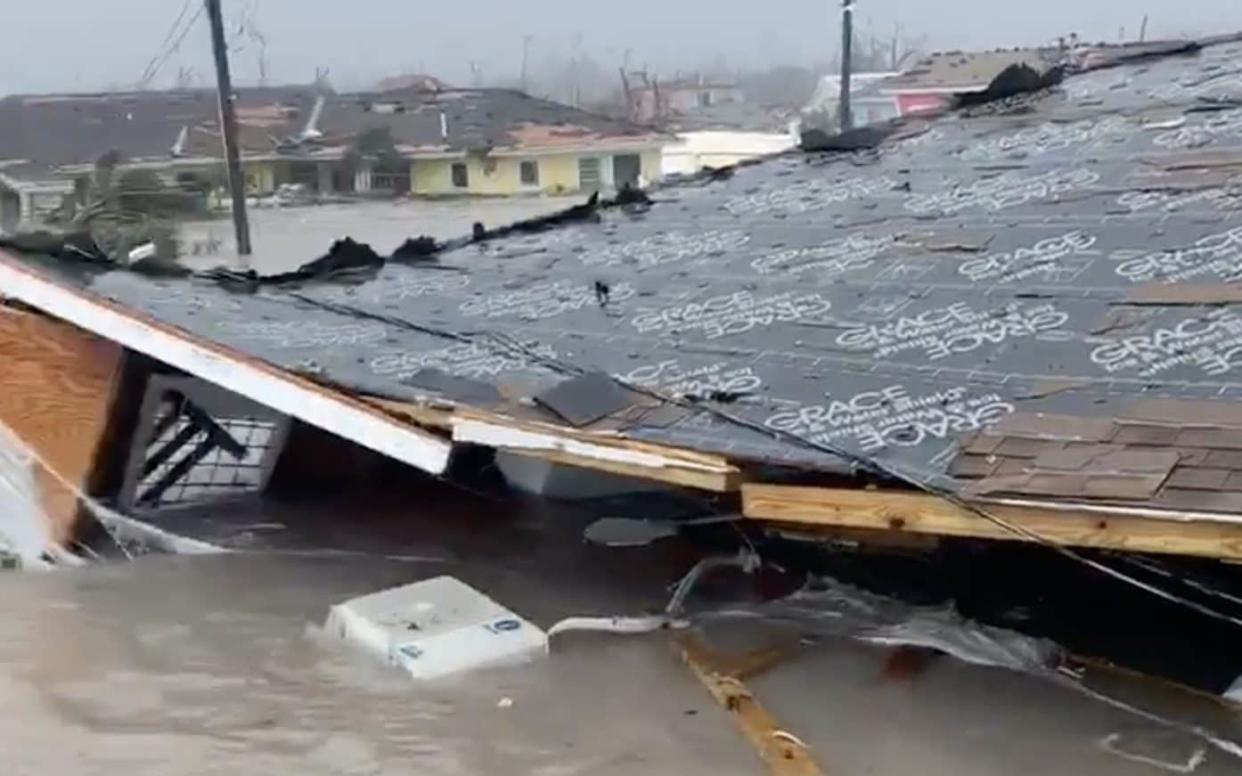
[
  {"x": 285, "y": 238},
  {"x": 213, "y": 664}
]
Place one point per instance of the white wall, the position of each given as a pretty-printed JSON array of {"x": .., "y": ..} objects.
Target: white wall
[{"x": 696, "y": 150}]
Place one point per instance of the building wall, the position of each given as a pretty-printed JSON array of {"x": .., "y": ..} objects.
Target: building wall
[
  {"x": 10, "y": 210},
  {"x": 260, "y": 177},
  {"x": 696, "y": 150},
  {"x": 501, "y": 176}
]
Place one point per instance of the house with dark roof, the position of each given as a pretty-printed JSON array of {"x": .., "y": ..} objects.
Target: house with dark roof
[
  {"x": 491, "y": 142},
  {"x": 1016, "y": 321},
  {"x": 498, "y": 142}
]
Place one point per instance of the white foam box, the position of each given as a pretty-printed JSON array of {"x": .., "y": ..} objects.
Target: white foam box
[{"x": 436, "y": 628}]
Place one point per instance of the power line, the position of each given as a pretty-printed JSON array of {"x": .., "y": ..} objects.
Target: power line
[
  {"x": 185, "y": 8},
  {"x": 161, "y": 58}
]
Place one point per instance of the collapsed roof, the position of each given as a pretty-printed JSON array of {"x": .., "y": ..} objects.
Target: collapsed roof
[{"x": 1034, "y": 297}]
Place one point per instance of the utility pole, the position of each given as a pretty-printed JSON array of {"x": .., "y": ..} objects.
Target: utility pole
[
  {"x": 526, "y": 39},
  {"x": 228, "y": 128},
  {"x": 1143, "y": 30},
  {"x": 847, "y": 53}
]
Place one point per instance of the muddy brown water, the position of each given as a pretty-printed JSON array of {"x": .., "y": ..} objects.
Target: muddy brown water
[{"x": 215, "y": 665}]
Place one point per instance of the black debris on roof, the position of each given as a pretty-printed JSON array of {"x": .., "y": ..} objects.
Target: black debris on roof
[{"x": 582, "y": 400}]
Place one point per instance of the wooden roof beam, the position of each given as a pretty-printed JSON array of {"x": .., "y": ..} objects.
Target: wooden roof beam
[{"x": 900, "y": 512}]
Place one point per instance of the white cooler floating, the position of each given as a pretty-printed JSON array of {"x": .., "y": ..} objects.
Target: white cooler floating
[{"x": 436, "y": 628}]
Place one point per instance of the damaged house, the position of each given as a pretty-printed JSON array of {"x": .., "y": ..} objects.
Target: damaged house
[
  {"x": 1017, "y": 322},
  {"x": 432, "y": 143}
]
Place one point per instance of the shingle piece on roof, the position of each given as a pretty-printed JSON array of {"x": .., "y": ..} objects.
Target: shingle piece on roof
[
  {"x": 1198, "y": 478},
  {"x": 1043, "y": 425},
  {"x": 1145, "y": 434},
  {"x": 1185, "y": 412}
]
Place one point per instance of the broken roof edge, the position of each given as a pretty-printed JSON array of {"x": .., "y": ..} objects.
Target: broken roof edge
[{"x": 281, "y": 390}]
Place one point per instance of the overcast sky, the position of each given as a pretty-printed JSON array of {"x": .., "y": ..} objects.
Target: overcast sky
[{"x": 93, "y": 44}]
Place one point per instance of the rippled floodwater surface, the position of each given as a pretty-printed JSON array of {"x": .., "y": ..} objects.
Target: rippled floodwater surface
[{"x": 214, "y": 665}]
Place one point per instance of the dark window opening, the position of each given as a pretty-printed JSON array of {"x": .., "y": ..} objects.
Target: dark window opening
[
  {"x": 529, "y": 173},
  {"x": 461, "y": 175},
  {"x": 589, "y": 177}
]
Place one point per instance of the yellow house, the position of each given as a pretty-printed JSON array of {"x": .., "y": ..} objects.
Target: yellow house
[
  {"x": 534, "y": 172},
  {"x": 421, "y": 141}
]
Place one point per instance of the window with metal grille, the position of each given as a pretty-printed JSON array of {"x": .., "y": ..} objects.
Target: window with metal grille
[
  {"x": 461, "y": 175},
  {"x": 198, "y": 468},
  {"x": 195, "y": 442},
  {"x": 589, "y": 173},
  {"x": 529, "y": 173}
]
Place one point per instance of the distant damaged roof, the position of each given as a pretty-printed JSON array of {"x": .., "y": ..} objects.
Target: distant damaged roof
[
  {"x": 464, "y": 120},
  {"x": 962, "y": 71},
  {"x": 1025, "y": 299},
  {"x": 54, "y": 130},
  {"x": 46, "y": 132}
]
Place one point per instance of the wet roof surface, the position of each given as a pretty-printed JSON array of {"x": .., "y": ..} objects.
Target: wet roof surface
[{"x": 1015, "y": 259}]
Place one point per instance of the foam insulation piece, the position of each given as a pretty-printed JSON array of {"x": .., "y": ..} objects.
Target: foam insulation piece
[{"x": 436, "y": 628}]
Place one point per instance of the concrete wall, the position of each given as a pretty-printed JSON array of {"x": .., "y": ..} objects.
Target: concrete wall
[{"x": 500, "y": 176}]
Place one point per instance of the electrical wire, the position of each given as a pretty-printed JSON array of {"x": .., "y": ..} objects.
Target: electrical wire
[
  {"x": 147, "y": 74},
  {"x": 162, "y": 58},
  {"x": 861, "y": 463}
]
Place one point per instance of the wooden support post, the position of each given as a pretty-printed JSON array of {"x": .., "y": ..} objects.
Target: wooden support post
[
  {"x": 783, "y": 753},
  {"x": 922, "y": 513}
]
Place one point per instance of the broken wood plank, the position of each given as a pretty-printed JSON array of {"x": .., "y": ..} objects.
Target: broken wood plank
[
  {"x": 784, "y": 753},
  {"x": 280, "y": 390},
  {"x": 921, "y": 513},
  {"x": 56, "y": 390},
  {"x": 604, "y": 452},
  {"x": 444, "y": 416}
]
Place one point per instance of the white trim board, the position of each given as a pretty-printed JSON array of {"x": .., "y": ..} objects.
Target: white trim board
[
  {"x": 516, "y": 439},
  {"x": 267, "y": 385}
]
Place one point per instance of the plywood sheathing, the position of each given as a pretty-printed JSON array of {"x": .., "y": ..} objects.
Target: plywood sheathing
[{"x": 56, "y": 390}]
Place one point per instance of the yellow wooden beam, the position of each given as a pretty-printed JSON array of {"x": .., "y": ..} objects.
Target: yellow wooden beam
[
  {"x": 922, "y": 513},
  {"x": 781, "y": 751}
]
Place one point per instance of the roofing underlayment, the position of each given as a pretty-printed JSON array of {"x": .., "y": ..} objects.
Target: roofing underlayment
[{"x": 1033, "y": 297}]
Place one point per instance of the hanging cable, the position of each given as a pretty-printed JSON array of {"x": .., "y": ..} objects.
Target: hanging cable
[
  {"x": 160, "y": 59},
  {"x": 499, "y": 340}
]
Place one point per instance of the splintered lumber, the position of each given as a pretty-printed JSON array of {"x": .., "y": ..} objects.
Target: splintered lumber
[
  {"x": 586, "y": 450},
  {"x": 56, "y": 391},
  {"x": 783, "y": 753},
  {"x": 901, "y": 512}
]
